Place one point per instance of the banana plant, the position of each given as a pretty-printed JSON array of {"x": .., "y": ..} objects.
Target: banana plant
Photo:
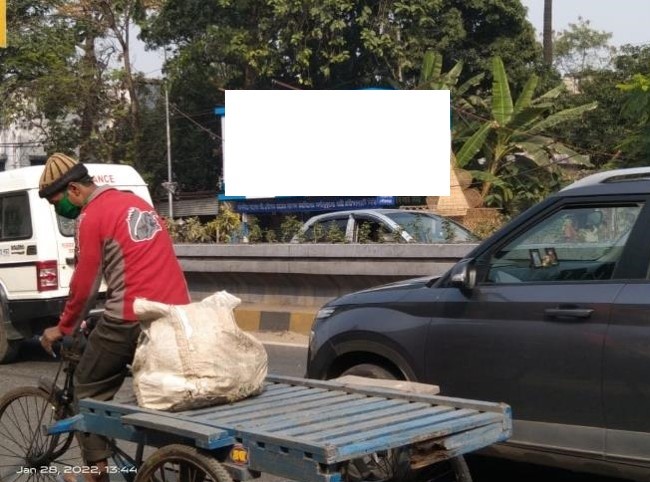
[
  {"x": 432, "y": 77},
  {"x": 517, "y": 128}
]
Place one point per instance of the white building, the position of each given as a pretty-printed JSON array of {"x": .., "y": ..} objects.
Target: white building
[{"x": 20, "y": 147}]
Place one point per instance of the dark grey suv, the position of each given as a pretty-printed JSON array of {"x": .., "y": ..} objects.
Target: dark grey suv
[{"x": 550, "y": 315}]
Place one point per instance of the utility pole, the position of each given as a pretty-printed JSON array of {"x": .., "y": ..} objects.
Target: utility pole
[
  {"x": 170, "y": 185},
  {"x": 548, "y": 32}
]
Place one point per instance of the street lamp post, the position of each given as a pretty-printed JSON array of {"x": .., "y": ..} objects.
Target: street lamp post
[{"x": 169, "y": 157}]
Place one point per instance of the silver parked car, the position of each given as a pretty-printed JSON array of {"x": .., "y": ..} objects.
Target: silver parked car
[{"x": 383, "y": 226}]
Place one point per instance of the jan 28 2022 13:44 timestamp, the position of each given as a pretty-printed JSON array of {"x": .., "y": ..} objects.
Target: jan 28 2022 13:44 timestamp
[{"x": 52, "y": 470}]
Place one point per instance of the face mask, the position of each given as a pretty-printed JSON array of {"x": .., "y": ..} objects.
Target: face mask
[{"x": 66, "y": 209}]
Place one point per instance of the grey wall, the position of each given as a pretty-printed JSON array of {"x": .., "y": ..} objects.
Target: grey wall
[{"x": 307, "y": 275}]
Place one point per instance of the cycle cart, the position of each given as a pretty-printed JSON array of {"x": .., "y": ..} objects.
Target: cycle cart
[{"x": 301, "y": 429}]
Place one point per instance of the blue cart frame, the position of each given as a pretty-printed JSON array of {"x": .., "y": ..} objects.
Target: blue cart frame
[{"x": 305, "y": 429}]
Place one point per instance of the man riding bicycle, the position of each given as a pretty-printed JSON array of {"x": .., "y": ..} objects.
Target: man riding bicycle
[{"x": 121, "y": 238}]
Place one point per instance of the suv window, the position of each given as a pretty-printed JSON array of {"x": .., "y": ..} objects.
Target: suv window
[
  {"x": 575, "y": 243},
  {"x": 16, "y": 218}
]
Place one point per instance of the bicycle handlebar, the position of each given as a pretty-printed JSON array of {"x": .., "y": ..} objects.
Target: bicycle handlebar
[
  {"x": 76, "y": 342},
  {"x": 65, "y": 343}
]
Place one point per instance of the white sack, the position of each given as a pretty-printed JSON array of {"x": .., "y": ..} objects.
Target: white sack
[{"x": 195, "y": 355}]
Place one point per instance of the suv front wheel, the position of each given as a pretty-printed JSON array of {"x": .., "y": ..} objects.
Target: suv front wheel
[{"x": 369, "y": 370}]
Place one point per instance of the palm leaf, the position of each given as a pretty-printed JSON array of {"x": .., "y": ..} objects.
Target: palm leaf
[
  {"x": 431, "y": 67},
  {"x": 522, "y": 120},
  {"x": 465, "y": 86},
  {"x": 524, "y": 99},
  {"x": 486, "y": 176},
  {"x": 537, "y": 151},
  {"x": 472, "y": 145},
  {"x": 542, "y": 105},
  {"x": 451, "y": 77},
  {"x": 501, "y": 98},
  {"x": 573, "y": 156},
  {"x": 554, "y": 93},
  {"x": 562, "y": 116}
]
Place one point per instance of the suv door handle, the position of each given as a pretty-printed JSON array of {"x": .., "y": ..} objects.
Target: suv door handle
[{"x": 568, "y": 312}]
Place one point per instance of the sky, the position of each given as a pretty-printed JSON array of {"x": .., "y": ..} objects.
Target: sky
[
  {"x": 147, "y": 62},
  {"x": 627, "y": 20}
]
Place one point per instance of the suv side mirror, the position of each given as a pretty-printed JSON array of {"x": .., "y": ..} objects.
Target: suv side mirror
[{"x": 463, "y": 275}]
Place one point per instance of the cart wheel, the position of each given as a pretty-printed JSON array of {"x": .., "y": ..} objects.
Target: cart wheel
[
  {"x": 26, "y": 453},
  {"x": 452, "y": 470},
  {"x": 393, "y": 466},
  {"x": 181, "y": 463}
]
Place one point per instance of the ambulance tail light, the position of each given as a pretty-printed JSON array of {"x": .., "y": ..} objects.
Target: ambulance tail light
[{"x": 47, "y": 277}]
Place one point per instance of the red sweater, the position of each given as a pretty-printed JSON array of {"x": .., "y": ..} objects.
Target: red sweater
[{"x": 121, "y": 237}]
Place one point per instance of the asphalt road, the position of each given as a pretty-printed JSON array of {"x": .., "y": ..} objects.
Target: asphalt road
[{"x": 287, "y": 356}]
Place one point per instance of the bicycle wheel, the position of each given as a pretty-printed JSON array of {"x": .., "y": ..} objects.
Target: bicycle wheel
[
  {"x": 26, "y": 452},
  {"x": 176, "y": 463}
]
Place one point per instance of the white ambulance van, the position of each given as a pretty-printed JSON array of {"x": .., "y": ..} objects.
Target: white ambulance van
[{"x": 37, "y": 251}]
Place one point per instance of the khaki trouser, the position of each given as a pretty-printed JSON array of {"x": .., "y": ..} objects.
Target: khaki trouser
[{"x": 100, "y": 374}]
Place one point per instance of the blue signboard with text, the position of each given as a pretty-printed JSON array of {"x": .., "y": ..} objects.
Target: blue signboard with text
[{"x": 307, "y": 204}]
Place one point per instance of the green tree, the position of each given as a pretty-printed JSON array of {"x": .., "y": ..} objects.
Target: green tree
[
  {"x": 228, "y": 44},
  {"x": 637, "y": 109},
  {"x": 494, "y": 28},
  {"x": 580, "y": 49},
  {"x": 633, "y": 65},
  {"x": 465, "y": 98},
  {"x": 339, "y": 43},
  {"x": 37, "y": 70},
  {"x": 55, "y": 77},
  {"x": 612, "y": 135},
  {"x": 96, "y": 21},
  {"x": 515, "y": 131},
  {"x": 432, "y": 77},
  {"x": 313, "y": 44}
]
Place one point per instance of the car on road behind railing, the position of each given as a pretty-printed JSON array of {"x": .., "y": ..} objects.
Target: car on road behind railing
[
  {"x": 383, "y": 226},
  {"x": 550, "y": 315}
]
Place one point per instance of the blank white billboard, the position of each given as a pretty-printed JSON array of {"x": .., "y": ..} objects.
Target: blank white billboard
[{"x": 337, "y": 143}]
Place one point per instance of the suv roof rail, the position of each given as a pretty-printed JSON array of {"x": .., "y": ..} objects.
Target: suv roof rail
[{"x": 617, "y": 175}]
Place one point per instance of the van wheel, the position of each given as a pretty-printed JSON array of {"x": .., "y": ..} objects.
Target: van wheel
[{"x": 8, "y": 348}]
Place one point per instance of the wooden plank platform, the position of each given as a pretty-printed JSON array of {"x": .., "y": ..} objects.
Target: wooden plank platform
[{"x": 324, "y": 421}]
